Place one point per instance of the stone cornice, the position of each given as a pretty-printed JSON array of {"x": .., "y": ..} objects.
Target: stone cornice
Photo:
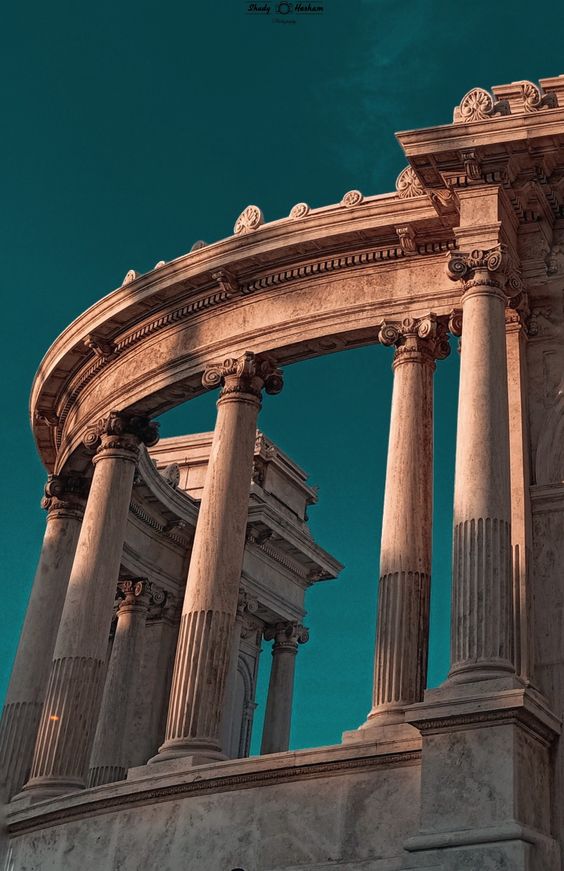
[{"x": 120, "y": 321}]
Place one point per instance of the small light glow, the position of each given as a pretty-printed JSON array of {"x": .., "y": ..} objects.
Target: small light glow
[{"x": 54, "y": 717}]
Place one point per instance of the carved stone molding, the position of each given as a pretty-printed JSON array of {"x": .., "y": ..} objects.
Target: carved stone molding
[
  {"x": 479, "y": 105},
  {"x": 171, "y": 474},
  {"x": 408, "y": 184},
  {"x": 417, "y": 338},
  {"x": 250, "y": 219},
  {"x": 246, "y": 604},
  {"x": 406, "y": 236},
  {"x": 102, "y": 349},
  {"x": 247, "y": 374},
  {"x": 65, "y": 492},
  {"x": 286, "y": 635},
  {"x": 227, "y": 281},
  {"x": 121, "y": 430}
]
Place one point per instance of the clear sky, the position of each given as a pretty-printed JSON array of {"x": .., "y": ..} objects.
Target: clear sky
[{"x": 129, "y": 131}]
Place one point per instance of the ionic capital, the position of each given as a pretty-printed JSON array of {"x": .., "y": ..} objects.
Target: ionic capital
[
  {"x": 133, "y": 591},
  {"x": 122, "y": 432},
  {"x": 246, "y": 605},
  {"x": 417, "y": 340},
  {"x": 139, "y": 593},
  {"x": 64, "y": 493},
  {"x": 246, "y": 375},
  {"x": 486, "y": 268},
  {"x": 286, "y": 635}
]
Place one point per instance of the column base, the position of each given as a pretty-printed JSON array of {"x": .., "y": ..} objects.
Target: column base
[
  {"x": 479, "y": 671},
  {"x": 191, "y": 752},
  {"x": 385, "y": 727},
  {"x": 44, "y": 788}
]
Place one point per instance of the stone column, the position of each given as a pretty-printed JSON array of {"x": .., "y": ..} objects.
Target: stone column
[
  {"x": 400, "y": 664},
  {"x": 73, "y": 694},
  {"x": 64, "y": 501},
  {"x": 153, "y": 687},
  {"x": 210, "y": 603},
  {"x": 109, "y": 758},
  {"x": 278, "y": 714},
  {"x": 482, "y": 612}
]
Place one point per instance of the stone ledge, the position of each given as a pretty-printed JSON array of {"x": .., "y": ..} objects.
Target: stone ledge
[
  {"x": 469, "y": 705},
  {"x": 169, "y": 780},
  {"x": 509, "y": 831}
]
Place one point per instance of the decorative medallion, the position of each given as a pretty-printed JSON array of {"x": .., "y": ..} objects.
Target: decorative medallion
[
  {"x": 130, "y": 276},
  {"x": 300, "y": 210},
  {"x": 408, "y": 184},
  {"x": 352, "y": 198},
  {"x": 479, "y": 105},
  {"x": 250, "y": 219}
]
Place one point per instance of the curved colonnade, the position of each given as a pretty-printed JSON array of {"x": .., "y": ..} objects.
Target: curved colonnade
[{"x": 467, "y": 244}]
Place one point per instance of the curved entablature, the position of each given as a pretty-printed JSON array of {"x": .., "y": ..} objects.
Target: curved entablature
[{"x": 316, "y": 281}]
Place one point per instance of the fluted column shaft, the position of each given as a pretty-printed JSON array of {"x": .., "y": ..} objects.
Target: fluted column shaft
[
  {"x": 73, "y": 695},
  {"x": 109, "y": 758},
  {"x": 278, "y": 714},
  {"x": 24, "y": 700},
  {"x": 210, "y": 603},
  {"x": 400, "y": 663},
  {"x": 482, "y": 619}
]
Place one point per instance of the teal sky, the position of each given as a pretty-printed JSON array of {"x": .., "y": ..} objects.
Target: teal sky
[{"x": 129, "y": 131}]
